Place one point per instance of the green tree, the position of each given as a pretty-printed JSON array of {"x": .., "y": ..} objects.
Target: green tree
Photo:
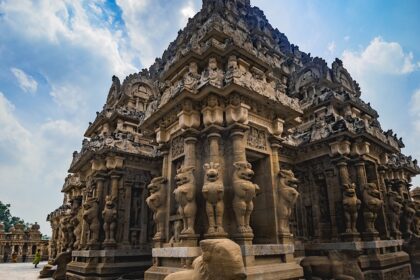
[{"x": 6, "y": 217}]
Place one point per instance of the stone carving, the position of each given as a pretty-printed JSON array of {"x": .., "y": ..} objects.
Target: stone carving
[
  {"x": 245, "y": 191},
  {"x": 351, "y": 205},
  {"x": 90, "y": 215},
  {"x": 177, "y": 146},
  {"x": 409, "y": 213},
  {"x": 109, "y": 215},
  {"x": 257, "y": 139},
  {"x": 77, "y": 225},
  {"x": 213, "y": 192},
  {"x": 221, "y": 259},
  {"x": 372, "y": 203},
  {"x": 213, "y": 112},
  {"x": 191, "y": 78},
  {"x": 61, "y": 262},
  {"x": 395, "y": 207},
  {"x": 212, "y": 75},
  {"x": 157, "y": 203},
  {"x": 287, "y": 197},
  {"x": 185, "y": 197},
  {"x": 334, "y": 266}
]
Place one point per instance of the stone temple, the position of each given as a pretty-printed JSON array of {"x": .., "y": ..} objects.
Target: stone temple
[{"x": 237, "y": 135}]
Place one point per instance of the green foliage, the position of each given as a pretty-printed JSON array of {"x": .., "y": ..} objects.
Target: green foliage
[{"x": 6, "y": 217}]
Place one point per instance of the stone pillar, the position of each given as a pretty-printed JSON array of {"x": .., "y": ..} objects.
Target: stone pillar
[
  {"x": 214, "y": 138},
  {"x": 361, "y": 174},
  {"x": 115, "y": 177},
  {"x": 190, "y": 150},
  {"x": 237, "y": 135}
]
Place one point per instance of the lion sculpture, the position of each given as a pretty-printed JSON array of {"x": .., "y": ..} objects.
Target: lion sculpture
[
  {"x": 245, "y": 191},
  {"x": 372, "y": 203},
  {"x": 157, "y": 203},
  {"x": 109, "y": 214},
  {"x": 213, "y": 191},
  {"x": 287, "y": 197},
  {"x": 395, "y": 207},
  {"x": 185, "y": 197},
  {"x": 339, "y": 266},
  {"x": 90, "y": 215},
  {"x": 221, "y": 259},
  {"x": 351, "y": 205}
]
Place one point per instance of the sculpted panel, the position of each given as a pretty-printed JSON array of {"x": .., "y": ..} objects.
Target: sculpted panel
[
  {"x": 287, "y": 197},
  {"x": 109, "y": 214},
  {"x": 351, "y": 205},
  {"x": 372, "y": 203},
  {"x": 90, "y": 215}
]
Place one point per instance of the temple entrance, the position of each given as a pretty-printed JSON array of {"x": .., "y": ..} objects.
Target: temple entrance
[{"x": 263, "y": 217}]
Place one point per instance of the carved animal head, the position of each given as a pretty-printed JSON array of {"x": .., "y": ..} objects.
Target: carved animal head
[
  {"x": 243, "y": 170},
  {"x": 287, "y": 178},
  {"x": 156, "y": 184},
  {"x": 212, "y": 171},
  {"x": 109, "y": 202},
  {"x": 222, "y": 259},
  {"x": 349, "y": 189},
  {"x": 372, "y": 190},
  {"x": 395, "y": 197},
  {"x": 90, "y": 203},
  {"x": 184, "y": 175}
]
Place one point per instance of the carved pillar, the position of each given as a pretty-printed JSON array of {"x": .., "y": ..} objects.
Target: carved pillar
[
  {"x": 126, "y": 223},
  {"x": 361, "y": 174},
  {"x": 190, "y": 150},
  {"x": 214, "y": 139},
  {"x": 237, "y": 135},
  {"x": 115, "y": 177}
]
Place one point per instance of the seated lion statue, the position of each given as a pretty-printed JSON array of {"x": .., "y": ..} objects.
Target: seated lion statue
[{"x": 221, "y": 260}]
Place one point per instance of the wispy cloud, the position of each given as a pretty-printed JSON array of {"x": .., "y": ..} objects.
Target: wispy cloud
[{"x": 26, "y": 82}]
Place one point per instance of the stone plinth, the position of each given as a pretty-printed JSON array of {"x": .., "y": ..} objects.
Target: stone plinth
[
  {"x": 269, "y": 261},
  {"x": 381, "y": 259},
  {"x": 107, "y": 264}
]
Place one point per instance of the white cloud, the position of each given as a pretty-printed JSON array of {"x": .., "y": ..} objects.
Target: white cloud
[
  {"x": 26, "y": 82},
  {"x": 187, "y": 12},
  {"x": 68, "y": 97},
  {"x": 331, "y": 47},
  {"x": 382, "y": 57}
]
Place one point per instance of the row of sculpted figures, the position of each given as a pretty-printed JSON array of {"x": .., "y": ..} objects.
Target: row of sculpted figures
[{"x": 244, "y": 192}]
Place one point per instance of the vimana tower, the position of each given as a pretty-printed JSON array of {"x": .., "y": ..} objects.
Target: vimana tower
[{"x": 235, "y": 133}]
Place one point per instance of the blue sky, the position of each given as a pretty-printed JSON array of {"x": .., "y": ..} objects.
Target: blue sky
[{"x": 57, "y": 59}]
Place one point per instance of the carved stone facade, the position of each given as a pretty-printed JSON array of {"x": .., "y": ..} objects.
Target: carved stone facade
[{"x": 236, "y": 133}]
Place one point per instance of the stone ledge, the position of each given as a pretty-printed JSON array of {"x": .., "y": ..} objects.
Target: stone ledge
[
  {"x": 267, "y": 249},
  {"x": 110, "y": 253},
  {"x": 354, "y": 246},
  {"x": 176, "y": 252}
]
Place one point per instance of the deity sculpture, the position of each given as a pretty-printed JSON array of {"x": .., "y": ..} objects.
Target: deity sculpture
[
  {"x": 77, "y": 225},
  {"x": 157, "y": 203},
  {"x": 287, "y": 197},
  {"x": 372, "y": 203},
  {"x": 245, "y": 191},
  {"x": 185, "y": 197},
  {"x": 90, "y": 215},
  {"x": 109, "y": 214},
  {"x": 351, "y": 205},
  {"x": 213, "y": 192},
  {"x": 409, "y": 213}
]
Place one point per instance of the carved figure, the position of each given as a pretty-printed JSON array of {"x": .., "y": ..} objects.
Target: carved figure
[
  {"x": 185, "y": 197},
  {"x": 77, "y": 225},
  {"x": 65, "y": 236},
  {"x": 109, "y": 214},
  {"x": 245, "y": 191},
  {"x": 409, "y": 212},
  {"x": 157, "y": 203},
  {"x": 395, "y": 207},
  {"x": 351, "y": 205},
  {"x": 90, "y": 215},
  {"x": 61, "y": 262},
  {"x": 221, "y": 259},
  {"x": 213, "y": 192},
  {"x": 287, "y": 197},
  {"x": 372, "y": 203},
  {"x": 331, "y": 267}
]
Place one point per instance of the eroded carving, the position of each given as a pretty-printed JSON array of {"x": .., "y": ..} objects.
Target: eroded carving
[
  {"x": 245, "y": 191},
  {"x": 157, "y": 203},
  {"x": 185, "y": 197},
  {"x": 351, "y": 205},
  {"x": 109, "y": 215},
  {"x": 287, "y": 197},
  {"x": 372, "y": 203},
  {"x": 90, "y": 215}
]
